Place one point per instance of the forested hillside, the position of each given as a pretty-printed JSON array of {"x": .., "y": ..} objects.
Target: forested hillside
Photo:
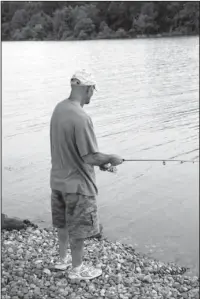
[{"x": 97, "y": 20}]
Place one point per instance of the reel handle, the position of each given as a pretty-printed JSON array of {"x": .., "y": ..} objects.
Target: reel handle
[{"x": 108, "y": 167}]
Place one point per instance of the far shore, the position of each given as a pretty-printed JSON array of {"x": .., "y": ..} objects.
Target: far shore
[{"x": 140, "y": 36}]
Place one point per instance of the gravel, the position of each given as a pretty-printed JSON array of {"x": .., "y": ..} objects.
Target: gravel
[{"x": 28, "y": 257}]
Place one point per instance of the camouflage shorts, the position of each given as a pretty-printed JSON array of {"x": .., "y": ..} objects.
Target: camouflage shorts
[{"x": 75, "y": 211}]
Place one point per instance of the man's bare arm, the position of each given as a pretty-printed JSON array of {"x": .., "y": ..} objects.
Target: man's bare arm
[{"x": 99, "y": 159}]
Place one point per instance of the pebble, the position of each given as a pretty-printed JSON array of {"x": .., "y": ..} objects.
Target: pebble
[
  {"x": 102, "y": 292},
  {"x": 38, "y": 262},
  {"x": 10, "y": 250},
  {"x": 138, "y": 269},
  {"x": 26, "y": 265},
  {"x": 20, "y": 251},
  {"x": 47, "y": 271}
]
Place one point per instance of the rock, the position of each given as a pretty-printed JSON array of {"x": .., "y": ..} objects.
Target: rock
[
  {"x": 183, "y": 289},
  {"x": 138, "y": 269},
  {"x": 47, "y": 271},
  {"x": 102, "y": 292},
  {"x": 3, "y": 217},
  {"x": 26, "y": 273},
  {"x": 10, "y": 250},
  {"x": 32, "y": 286},
  {"x": 92, "y": 288},
  {"x": 28, "y": 223},
  {"x": 39, "y": 266},
  {"x": 169, "y": 294},
  {"x": 147, "y": 278},
  {"x": 38, "y": 262},
  {"x": 37, "y": 232},
  {"x": 11, "y": 223},
  {"x": 14, "y": 223},
  {"x": 20, "y": 251},
  {"x": 37, "y": 291},
  {"x": 25, "y": 290}
]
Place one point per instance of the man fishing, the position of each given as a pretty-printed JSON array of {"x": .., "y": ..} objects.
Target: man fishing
[{"x": 74, "y": 153}]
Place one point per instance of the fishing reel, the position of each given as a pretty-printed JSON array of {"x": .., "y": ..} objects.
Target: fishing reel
[{"x": 108, "y": 167}]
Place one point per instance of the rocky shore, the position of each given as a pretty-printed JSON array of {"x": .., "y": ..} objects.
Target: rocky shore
[{"x": 28, "y": 257}]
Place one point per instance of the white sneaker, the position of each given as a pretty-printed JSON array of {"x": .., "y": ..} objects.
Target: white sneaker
[
  {"x": 64, "y": 264},
  {"x": 84, "y": 272}
]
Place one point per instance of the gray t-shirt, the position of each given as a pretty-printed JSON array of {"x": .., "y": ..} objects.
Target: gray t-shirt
[{"x": 72, "y": 137}]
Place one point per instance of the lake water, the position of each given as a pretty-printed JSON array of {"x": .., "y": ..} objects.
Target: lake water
[{"x": 146, "y": 107}]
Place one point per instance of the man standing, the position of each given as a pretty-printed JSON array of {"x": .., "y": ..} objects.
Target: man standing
[{"x": 74, "y": 153}]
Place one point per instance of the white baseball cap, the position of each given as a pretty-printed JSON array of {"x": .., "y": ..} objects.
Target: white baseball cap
[{"x": 83, "y": 78}]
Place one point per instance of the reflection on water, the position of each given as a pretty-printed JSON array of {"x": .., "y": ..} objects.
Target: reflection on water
[{"x": 146, "y": 107}]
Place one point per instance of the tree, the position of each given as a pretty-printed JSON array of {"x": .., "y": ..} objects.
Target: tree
[
  {"x": 19, "y": 19},
  {"x": 82, "y": 35},
  {"x": 8, "y": 9},
  {"x": 189, "y": 17},
  {"x": 27, "y": 33},
  {"x": 121, "y": 33},
  {"x": 33, "y": 8},
  {"x": 105, "y": 31},
  {"x": 145, "y": 23},
  {"x": 48, "y": 7},
  {"x": 42, "y": 23},
  {"x": 112, "y": 14},
  {"x": 166, "y": 12},
  {"x": 61, "y": 23},
  {"x": 17, "y": 36},
  {"x": 39, "y": 32},
  {"x": 77, "y": 13},
  {"x": 85, "y": 25},
  {"x": 92, "y": 12},
  {"x": 5, "y": 31}
]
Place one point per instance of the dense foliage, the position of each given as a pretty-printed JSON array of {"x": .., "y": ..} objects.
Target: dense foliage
[{"x": 92, "y": 20}]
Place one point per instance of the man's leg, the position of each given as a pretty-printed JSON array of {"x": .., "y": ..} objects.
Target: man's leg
[
  {"x": 72, "y": 215},
  {"x": 63, "y": 240},
  {"x": 77, "y": 246},
  {"x": 81, "y": 213},
  {"x": 82, "y": 223},
  {"x": 59, "y": 221}
]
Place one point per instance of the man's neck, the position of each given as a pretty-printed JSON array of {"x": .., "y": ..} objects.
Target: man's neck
[{"x": 75, "y": 101}]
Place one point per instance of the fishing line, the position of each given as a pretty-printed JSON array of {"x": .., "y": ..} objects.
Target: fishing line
[{"x": 160, "y": 160}]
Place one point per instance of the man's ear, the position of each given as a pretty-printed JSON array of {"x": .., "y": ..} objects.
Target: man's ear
[{"x": 88, "y": 88}]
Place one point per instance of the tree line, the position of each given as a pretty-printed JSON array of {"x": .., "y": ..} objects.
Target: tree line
[{"x": 80, "y": 20}]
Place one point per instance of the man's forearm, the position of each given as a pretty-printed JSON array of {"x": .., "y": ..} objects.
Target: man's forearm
[{"x": 97, "y": 159}]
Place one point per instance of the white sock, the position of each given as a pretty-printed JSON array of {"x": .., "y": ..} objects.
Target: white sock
[
  {"x": 64, "y": 259},
  {"x": 78, "y": 268}
]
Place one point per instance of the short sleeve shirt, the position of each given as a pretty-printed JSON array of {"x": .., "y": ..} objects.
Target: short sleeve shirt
[{"x": 72, "y": 137}]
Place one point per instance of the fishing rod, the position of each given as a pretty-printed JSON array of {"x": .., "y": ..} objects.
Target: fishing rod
[{"x": 110, "y": 168}]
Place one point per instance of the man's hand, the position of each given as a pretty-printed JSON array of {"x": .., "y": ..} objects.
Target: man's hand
[
  {"x": 104, "y": 167},
  {"x": 116, "y": 160}
]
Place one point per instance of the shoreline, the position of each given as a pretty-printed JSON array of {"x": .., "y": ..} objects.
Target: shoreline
[
  {"x": 19, "y": 224},
  {"x": 139, "y": 36},
  {"x": 28, "y": 273}
]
